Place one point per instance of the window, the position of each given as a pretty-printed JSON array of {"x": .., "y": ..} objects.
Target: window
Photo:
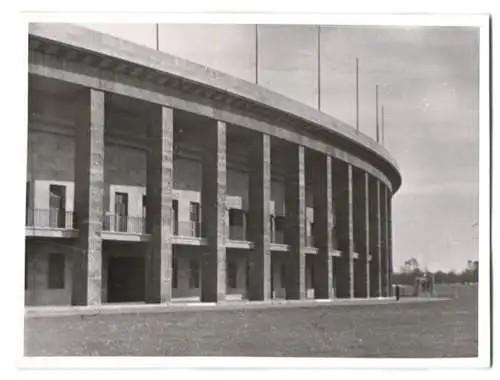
[
  {"x": 310, "y": 235},
  {"x": 236, "y": 217},
  {"x": 28, "y": 191},
  {"x": 57, "y": 206},
  {"x": 279, "y": 223},
  {"x": 279, "y": 229},
  {"x": 26, "y": 270},
  {"x": 232, "y": 275},
  {"x": 194, "y": 211},
  {"x": 237, "y": 224},
  {"x": 121, "y": 210},
  {"x": 175, "y": 266},
  {"x": 121, "y": 204},
  {"x": 29, "y": 220},
  {"x": 56, "y": 271},
  {"x": 194, "y": 274},
  {"x": 144, "y": 205},
  {"x": 194, "y": 217},
  {"x": 175, "y": 216}
]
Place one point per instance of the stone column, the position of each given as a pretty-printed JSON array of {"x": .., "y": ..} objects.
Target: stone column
[
  {"x": 360, "y": 237},
  {"x": 89, "y": 192},
  {"x": 383, "y": 240},
  {"x": 259, "y": 228},
  {"x": 295, "y": 207},
  {"x": 323, "y": 224},
  {"x": 159, "y": 206},
  {"x": 366, "y": 189},
  {"x": 30, "y": 185},
  {"x": 213, "y": 204},
  {"x": 374, "y": 204},
  {"x": 389, "y": 242},
  {"x": 345, "y": 263}
]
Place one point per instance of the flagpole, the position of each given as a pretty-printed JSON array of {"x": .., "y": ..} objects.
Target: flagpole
[
  {"x": 383, "y": 129},
  {"x": 357, "y": 94},
  {"x": 157, "y": 36},
  {"x": 319, "y": 67},
  {"x": 256, "y": 54},
  {"x": 376, "y": 112}
]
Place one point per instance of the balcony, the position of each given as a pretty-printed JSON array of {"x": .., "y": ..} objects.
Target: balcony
[
  {"x": 238, "y": 238},
  {"x": 187, "y": 233},
  {"x": 125, "y": 224},
  {"x": 278, "y": 241},
  {"x": 50, "y": 222},
  {"x": 277, "y": 237},
  {"x": 187, "y": 229},
  {"x": 124, "y": 228},
  {"x": 309, "y": 246},
  {"x": 309, "y": 241},
  {"x": 237, "y": 233}
]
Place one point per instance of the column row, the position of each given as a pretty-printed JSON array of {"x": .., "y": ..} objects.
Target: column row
[{"x": 351, "y": 215}]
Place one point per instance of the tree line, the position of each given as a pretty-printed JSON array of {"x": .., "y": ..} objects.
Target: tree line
[{"x": 411, "y": 270}]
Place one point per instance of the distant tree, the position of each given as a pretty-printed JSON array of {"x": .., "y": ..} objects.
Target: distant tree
[
  {"x": 411, "y": 265},
  {"x": 440, "y": 277},
  {"x": 451, "y": 277},
  {"x": 411, "y": 270},
  {"x": 470, "y": 273}
]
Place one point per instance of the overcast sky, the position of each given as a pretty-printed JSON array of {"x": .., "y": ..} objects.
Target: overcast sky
[{"x": 429, "y": 89}]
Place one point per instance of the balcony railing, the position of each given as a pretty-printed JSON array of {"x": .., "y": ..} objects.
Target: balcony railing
[
  {"x": 277, "y": 237},
  {"x": 125, "y": 224},
  {"x": 237, "y": 233},
  {"x": 309, "y": 240},
  {"x": 137, "y": 225},
  {"x": 49, "y": 218},
  {"x": 186, "y": 229}
]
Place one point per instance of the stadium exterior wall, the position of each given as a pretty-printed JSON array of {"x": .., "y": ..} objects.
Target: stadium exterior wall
[{"x": 152, "y": 179}]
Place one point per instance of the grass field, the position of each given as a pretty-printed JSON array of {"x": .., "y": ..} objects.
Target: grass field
[{"x": 433, "y": 329}]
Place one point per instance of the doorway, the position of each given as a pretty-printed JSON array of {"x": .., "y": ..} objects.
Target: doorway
[
  {"x": 126, "y": 279},
  {"x": 57, "y": 206},
  {"x": 121, "y": 209}
]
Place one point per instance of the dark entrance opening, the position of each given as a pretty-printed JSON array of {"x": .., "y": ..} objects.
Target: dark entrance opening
[{"x": 126, "y": 279}]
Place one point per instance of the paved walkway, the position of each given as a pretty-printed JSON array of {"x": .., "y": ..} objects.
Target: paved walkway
[{"x": 141, "y": 308}]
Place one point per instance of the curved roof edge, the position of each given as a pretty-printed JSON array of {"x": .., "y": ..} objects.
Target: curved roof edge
[{"x": 105, "y": 44}]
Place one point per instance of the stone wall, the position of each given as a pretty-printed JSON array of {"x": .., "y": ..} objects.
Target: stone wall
[{"x": 51, "y": 161}]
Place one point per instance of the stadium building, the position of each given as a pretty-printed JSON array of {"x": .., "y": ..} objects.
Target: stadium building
[{"x": 153, "y": 179}]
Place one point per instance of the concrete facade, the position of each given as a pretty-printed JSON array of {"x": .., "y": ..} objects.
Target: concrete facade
[{"x": 134, "y": 200}]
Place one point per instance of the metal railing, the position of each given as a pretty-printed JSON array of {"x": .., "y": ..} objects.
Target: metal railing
[
  {"x": 237, "y": 233},
  {"x": 277, "y": 237},
  {"x": 309, "y": 240},
  {"x": 123, "y": 223},
  {"x": 186, "y": 229},
  {"x": 49, "y": 218},
  {"x": 137, "y": 225}
]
